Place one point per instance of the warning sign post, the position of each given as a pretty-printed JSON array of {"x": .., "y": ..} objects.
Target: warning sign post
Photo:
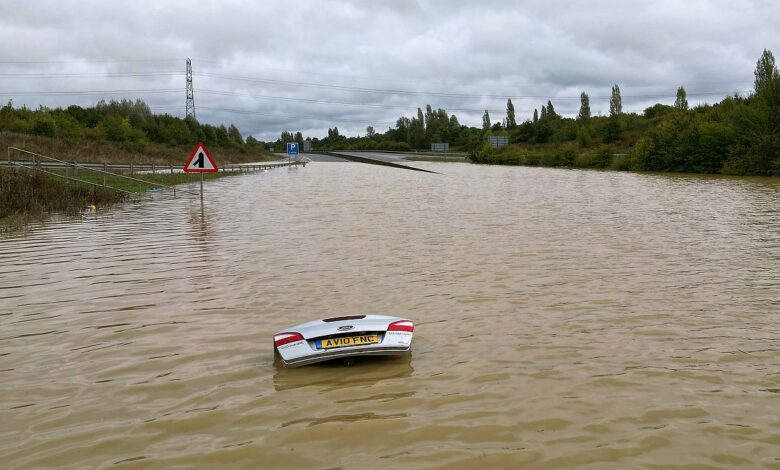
[{"x": 200, "y": 161}]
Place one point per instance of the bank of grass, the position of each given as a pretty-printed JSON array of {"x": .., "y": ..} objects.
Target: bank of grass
[
  {"x": 96, "y": 151},
  {"x": 437, "y": 159},
  {"x": 565, "y": 155},
  {"x": 27, "y": 195}
]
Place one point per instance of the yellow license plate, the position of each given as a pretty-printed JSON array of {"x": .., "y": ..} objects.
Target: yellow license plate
[{"x": 347, "y": 341}]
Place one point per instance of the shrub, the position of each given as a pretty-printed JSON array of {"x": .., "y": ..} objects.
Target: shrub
[{"x": 44, "y": 125}]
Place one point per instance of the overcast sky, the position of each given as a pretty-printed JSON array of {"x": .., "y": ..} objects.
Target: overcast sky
[{"x": 307, "y": 65}]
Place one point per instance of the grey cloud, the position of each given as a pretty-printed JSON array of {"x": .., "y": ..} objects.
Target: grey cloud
[{"x": 550, "y": 50}]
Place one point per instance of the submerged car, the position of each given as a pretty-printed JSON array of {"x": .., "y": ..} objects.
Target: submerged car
[{"x": 345, "y": 338}]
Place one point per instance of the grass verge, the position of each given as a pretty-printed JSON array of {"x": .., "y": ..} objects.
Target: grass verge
[
  {"x": 27, "y": 195},
  {"x": 87, "y": 150}
]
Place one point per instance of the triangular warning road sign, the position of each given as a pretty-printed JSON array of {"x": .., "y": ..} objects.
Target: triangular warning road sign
[{"x": 200, "y": 161}]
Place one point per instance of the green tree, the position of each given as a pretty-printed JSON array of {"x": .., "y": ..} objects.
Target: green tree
[
  {"x": 402, "y": 128},
  {"x": 235, "y": 135},
  {"x": 615, "y": 102},
  {"x": 486, "y": 121},
  {"x": 757, "y": 150},
  {"x": 43, "y": 124},
  {"x": 584, "y": 114},
  {"x": 118, "y": 128},
  {"x": 536, "y": 115},
  {"x": 681, "y": 102},
  {"x": 428, "y": 117},
  {"x": 551, "y": 110},
  {"x": 766, "y": 70},
  {"x": 612, "y": 130},
  {"x": 510, "y": 114},
  {"x": 543, "y": 114},
  {"x": 454, "y": 126},
  {"x": 223, "y": 139},
  {"x": 417, "y": 133},
  {"x": 370, "y": 132}
]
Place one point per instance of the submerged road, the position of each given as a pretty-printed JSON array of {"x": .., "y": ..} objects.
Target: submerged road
[
  {"x": 378, "y": 156},
  {"x": 636, "y": 317}
]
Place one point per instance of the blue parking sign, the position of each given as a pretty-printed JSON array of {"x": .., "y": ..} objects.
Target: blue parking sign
[{"x": 292, "y": 148}]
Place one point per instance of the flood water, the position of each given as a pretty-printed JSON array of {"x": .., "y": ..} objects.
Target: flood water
[{"x": 563, "y": 318}]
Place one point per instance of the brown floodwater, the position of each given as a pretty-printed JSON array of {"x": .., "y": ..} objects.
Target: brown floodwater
[{"x": 563, "y": 318}]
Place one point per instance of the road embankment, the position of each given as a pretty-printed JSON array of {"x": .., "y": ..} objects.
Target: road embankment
[{"x": 27, "y": 195}]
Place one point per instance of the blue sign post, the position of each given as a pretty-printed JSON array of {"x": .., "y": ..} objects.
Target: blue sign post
[{"x": 292, "y": 148}]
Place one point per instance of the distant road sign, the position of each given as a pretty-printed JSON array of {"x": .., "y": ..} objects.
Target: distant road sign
[
  {"x": 292, "y": 148},
  {"x": 200, "y": 161},
  {"x": 497, "y": 141}
]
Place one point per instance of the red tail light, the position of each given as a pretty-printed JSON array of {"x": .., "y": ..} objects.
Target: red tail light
[
  {"x": 281, "y": 339},
  {"x": 401, "y": 325}
]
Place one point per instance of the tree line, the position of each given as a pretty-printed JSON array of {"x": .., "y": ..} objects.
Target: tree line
[
  {"x": 124, "y": 121},
  {"x": 738, "y": 135}
]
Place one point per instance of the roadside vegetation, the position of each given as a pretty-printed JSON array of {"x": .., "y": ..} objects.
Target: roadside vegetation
[
  {"x": 114, "y": 132},
  {"x": 740, "y": 135},
  {"x": 27, "y": 195},
  {"x": 121, "y": 131}
]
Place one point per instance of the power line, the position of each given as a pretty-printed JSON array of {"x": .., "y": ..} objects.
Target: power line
[
  {"x": 261, "y": 113},
  {"x": 407, "y": 80},
  {"x": 89, "y": 74},
  {"x": 344, "y": 103},
  {"x": 250, "y": 112},
  {"x": 91, "y": 92},
  {"x": 433, "y": 93},
  {"x": 85, "y": 59}
]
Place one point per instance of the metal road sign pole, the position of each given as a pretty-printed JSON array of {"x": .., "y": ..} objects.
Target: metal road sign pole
[{"x": 201, "y": 192}]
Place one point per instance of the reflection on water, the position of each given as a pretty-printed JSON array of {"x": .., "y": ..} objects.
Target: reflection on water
[
  {"x": 563, "y": 318},
  {"x": 366, "y": 372}
]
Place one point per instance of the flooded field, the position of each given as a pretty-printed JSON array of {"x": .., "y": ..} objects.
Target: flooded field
[{"x": 563, "y": 318}]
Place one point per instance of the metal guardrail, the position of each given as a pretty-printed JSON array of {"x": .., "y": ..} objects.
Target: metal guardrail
[
  {"x": 37, "y": 165},
  {"x": 45, "y": 163},
  {"x": 148, "y": 167}
]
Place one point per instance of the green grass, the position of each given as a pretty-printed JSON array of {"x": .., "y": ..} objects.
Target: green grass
[
  {"x": 88, "y": 150},
  {"x": 437, "y": 159},
  {"x": 27, "y": 195}
]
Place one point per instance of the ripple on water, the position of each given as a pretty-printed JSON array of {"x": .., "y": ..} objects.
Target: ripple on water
[{"x": 564, "y": 318}]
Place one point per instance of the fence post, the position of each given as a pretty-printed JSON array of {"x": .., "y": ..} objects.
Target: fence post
[
  {"x": 171, "y": 168},
  {"x": 105, "y": 169},
  {"x": 153, "y": 168},
  {"x": 131, "y": 168}
]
